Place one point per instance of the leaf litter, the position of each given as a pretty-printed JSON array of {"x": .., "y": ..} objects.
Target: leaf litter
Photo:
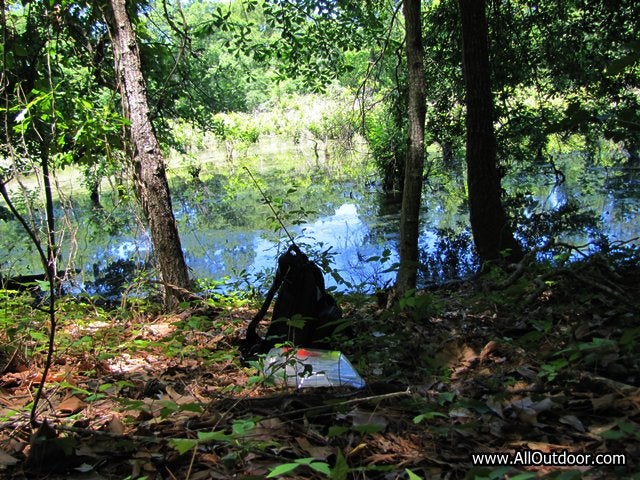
[{"x": 478, "y": 370}]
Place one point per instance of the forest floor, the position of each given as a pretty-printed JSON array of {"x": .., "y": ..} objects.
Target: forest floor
[{"x": 542, "y": 365}]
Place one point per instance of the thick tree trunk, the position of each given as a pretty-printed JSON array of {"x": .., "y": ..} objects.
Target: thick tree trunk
[
  {"x": 151, "y": 180},
  {"x": 411, "y": 193},
  {"x": 492, "y": 233}
]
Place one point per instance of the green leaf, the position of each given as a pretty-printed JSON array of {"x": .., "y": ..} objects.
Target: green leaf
[
  {"x": 168, "y": 408},
  {"x": 213, "y": 436},
  {"x": 283, "y": 469},
  {"x": 321, "y": 467},
  {"x": 445, "y": 397},
  {"x": 369, "y": 428},
  {"x": 336, "y": 431},
  {"x": 612, "y": 434},
  {"x": 521, "y": 476},
  {"x": 297, "y": 321},
  {"x": 243, "y": 427},
  {"x": 191, "y": 407},
  {"x": 628, "y": 427},
  {"x": 428, "y": 416},
  {"x": 341, "y": 469},
  {"x": 38, "y": 336},
  {"x": 183, "y": 445},
  {"x": 412, "y": 476}
]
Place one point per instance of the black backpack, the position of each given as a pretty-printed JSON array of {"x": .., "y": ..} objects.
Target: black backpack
[{"x": 304, "y": 313}]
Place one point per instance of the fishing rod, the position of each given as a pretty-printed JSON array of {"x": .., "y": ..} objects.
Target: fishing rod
[{"x": 268, "y": 202}]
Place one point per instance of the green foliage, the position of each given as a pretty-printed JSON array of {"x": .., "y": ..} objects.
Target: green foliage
[
  {"x": 17, "y": 316},
  {"x": 411, "y": 475},
  {"x": 623, "y": 430},
  {"x": 550, "y": 370},
  {"x": 420, "y": 305},
  {"x": 387, "y": 141},
  {"x": 311, "y": 462},
  {"x": 445, "y": 96},
  {"x": 312, "y": 41},
  {"x": 240, "y": 429},
  {"x": 565, "y": 78},
  {"x": 570, "y": 93},
  {"x": 235, "y": 131}
]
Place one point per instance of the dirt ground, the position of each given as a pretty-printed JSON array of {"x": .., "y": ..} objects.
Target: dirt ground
[{"x": 543, "y": 367}]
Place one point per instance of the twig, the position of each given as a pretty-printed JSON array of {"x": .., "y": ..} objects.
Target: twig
[
  {"x": 614, "y": 385},
  {"x": 520, "y": 267},
  {"x": 345, "y": 402},
  {"x": 103, "y": 433},
  {"x": 603, "y": 288},
  {"x": 193, "y": 459}
]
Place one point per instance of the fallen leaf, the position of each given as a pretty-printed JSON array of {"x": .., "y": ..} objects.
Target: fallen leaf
[
  {"x": 603, "y": 402},
  {"x": 380, "y": 458},
  {"x": 363, "y": 419},
  {"x": 115, "y": 425},
  {"x": 543, "y": 405},
  {"x": 573, "y": 421},
  {"x": 542, "y": 446},
  {"x": 6, "y": 459},
  {"x": 495, "y": 406},
  {"x": 315, "y": 451},
  {"x": 71, "y": 405},
  {"x": 527, "y": 373},
  {"x": 84, "y": 468},
  {"x": 201, "y": 475},
  {"x": 488, "y": 349},
  {"x": 268, "y": 429},
  {"x": 357, "y": 449}
]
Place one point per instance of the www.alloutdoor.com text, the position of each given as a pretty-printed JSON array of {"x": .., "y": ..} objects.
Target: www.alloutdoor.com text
[{"x": 560, "y": 458}]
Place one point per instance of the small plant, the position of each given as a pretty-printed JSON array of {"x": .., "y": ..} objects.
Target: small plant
[
  {"x": 419, "y": 305},
  {"x": 622, "y": 430},
  {"x": 550, "y": 370},
  {"x": 240, "y": 429},
  {"x": 311, "y": 462}
]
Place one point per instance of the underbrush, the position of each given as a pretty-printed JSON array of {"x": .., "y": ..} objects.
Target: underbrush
[{"x": 535, "y": 360}]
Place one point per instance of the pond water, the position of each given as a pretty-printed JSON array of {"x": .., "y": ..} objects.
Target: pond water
[{"x": 229, "y": 235}]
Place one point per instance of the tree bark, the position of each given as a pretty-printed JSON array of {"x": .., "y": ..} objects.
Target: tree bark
[
  {"x": 412, "y": 191},
  {"x": 150, "y": 176},
  {"x": 492, "y": 234}
]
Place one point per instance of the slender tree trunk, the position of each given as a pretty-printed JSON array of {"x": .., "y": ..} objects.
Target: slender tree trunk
[
  {"x": 492, "y": 233},
  {"x": 151, "y": 181},
  {"x": 412, "y": 190},
  {"x": 52, "y": 250}
]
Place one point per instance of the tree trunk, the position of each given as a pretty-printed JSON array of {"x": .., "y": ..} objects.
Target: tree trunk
[
  {"x": 151, "y": 181},
  {"x": 51, "y": 266},
  {"x": 412, "y": 190},
  {"x": 492, "y": 233}
]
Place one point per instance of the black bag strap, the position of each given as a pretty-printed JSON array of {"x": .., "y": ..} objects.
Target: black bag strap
[
  {"x": 251, "y": 329},
  {"x": 281, "y": 273}
]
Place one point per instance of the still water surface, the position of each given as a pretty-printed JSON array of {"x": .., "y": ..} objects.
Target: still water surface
[
  {"x": 359, "y": 225},
  {"x": 226, "y": 234}
]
